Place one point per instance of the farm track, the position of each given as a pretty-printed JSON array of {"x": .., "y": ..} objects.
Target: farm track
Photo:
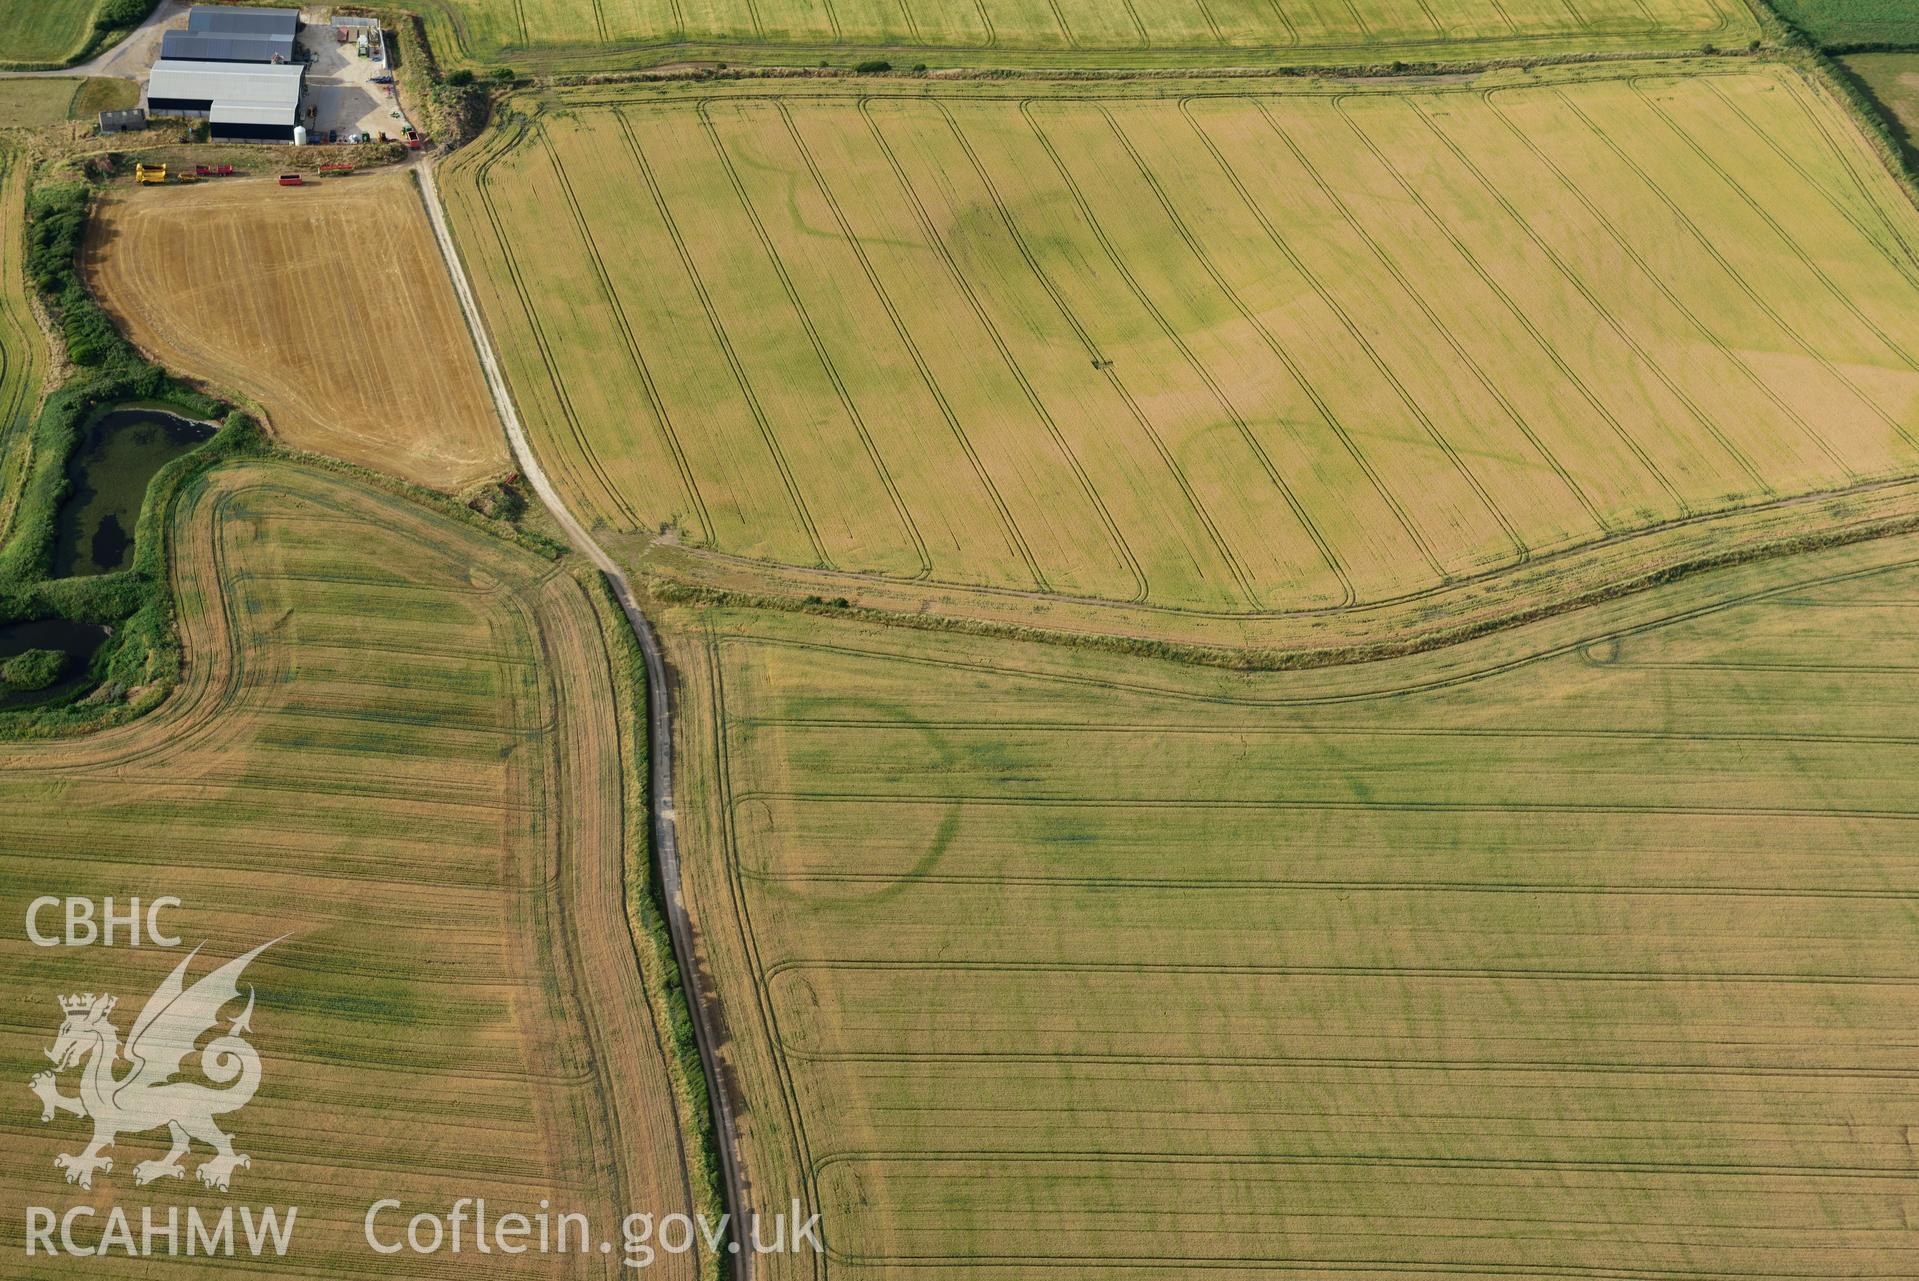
[
  {"x": 1355, "y": 1020},
  {"x": 614, "y": 497},
  {"x": 659, "y": 729}
]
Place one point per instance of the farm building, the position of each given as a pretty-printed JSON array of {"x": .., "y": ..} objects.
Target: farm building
[
  {"x": 241, "y": 102},
  {"x": 236, "y": 20},
  {"x": 122, "y": 121},
  {"x": 235, "y": 68},
  {"x": 213, "y": 46}
]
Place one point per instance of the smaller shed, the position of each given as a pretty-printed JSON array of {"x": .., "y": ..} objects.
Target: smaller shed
[{"x": 122, "y": 121}]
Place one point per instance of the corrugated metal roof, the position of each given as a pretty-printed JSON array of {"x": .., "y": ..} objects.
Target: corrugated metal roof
[
  {"x": 228, "y": 83},
  {"x": 243, "y": 113},
  {"x": 204, "y": 46},
  {"x": 236, "y": 20}
]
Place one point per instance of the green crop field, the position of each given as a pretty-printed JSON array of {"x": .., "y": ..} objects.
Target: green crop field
[
  {"x": 35, "y": 102},
  {"x": 1892, "y": 80},
  {"x": 1583, "y": 949},
  {"x": 1228, "y": 348},
  {"x": 22, "y": 345},
  {"x": 396, "y": 745},
  {"x": 1842, "y": 22},
  {"x": 44, "y": 32},
  {"x": 576, "y": 34}
]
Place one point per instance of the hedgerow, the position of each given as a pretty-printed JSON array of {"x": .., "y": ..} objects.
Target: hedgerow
[{"x": 141, "y": 660}]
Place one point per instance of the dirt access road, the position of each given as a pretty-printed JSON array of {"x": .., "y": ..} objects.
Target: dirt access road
[{"x": 659, "y": 727}]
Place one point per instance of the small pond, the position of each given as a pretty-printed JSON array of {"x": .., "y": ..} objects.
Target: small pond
[
  {"x": 119, "y": 454},
  {"x": 78, "y": 641}
]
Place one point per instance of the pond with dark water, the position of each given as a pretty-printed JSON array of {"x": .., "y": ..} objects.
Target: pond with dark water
[
  {"x": 78, "y": 641},
  {"x": 119, "y": 454}
]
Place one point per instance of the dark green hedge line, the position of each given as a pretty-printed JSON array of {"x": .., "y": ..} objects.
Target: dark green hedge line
[
  {"x": 141, "y": 661},
  {"x": 647, "y": 919}
]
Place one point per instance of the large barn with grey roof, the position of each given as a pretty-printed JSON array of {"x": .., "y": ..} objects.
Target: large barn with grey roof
[{"x": 236, "y": 68}]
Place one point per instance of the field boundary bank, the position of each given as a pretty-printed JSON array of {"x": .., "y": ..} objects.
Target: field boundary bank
[
  {"x": 446, "y": 24},
  {"x": 1566, "y": 581},
  {"x": 576, "y": 90}
]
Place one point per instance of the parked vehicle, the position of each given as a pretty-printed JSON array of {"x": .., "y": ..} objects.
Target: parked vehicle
[{"x": 292, "y": 180}]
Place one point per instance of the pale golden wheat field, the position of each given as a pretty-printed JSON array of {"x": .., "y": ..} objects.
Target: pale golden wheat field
[
  {"x": 1579, "y": 950},
  {"x": 1226, "y": 349}
]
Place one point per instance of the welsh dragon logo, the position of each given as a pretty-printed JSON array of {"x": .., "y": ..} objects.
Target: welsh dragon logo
[{"x": 146, "y": 1096}]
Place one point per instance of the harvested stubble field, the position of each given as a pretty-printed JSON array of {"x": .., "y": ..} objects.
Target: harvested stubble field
[
  {"x": 1579, "y": 950},
  {"x": 584, "y": 34},
  {"x": 1223, "y": 349},
  {"x": 396, "y": 743},
  {"x": 329, "y": 305},
  {"x": 22, "y": 345}
]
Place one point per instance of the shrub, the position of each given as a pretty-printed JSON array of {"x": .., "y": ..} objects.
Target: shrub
[
  {"x": 873, "y": 66},
  {"x": 459, "y": 77},
  {"x": 505, "y": 75},
  {"x": 115, "y": 14},
  {"x": 35, "y": 669}
]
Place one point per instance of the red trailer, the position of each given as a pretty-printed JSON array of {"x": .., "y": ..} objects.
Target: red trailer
[{"x": 292, "y": 180}]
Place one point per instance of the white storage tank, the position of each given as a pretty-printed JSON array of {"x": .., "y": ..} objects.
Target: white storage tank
[{"x": 299, "y": 135}]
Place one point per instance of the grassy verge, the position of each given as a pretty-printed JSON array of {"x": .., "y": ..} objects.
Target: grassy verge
[{"x": 646, "y": 918}]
